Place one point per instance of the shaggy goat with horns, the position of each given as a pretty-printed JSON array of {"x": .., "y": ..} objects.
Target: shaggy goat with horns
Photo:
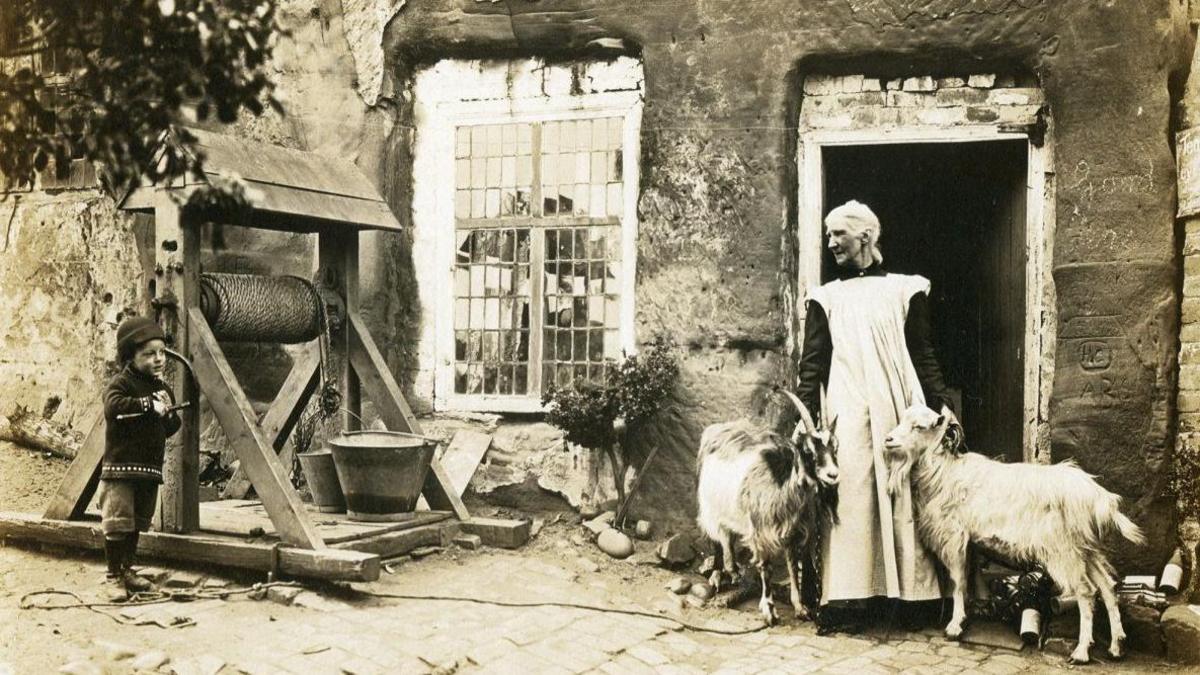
[
  {"x": 1056, "y": 516},
  {"x": 767, "y": 490}
]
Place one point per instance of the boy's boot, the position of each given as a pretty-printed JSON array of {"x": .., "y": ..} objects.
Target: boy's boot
[
  {"x": 113, "y": 589},
  {"x": 133, "y": 583}
]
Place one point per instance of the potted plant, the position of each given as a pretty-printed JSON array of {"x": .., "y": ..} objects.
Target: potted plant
[{"x": 600, "y": 416}]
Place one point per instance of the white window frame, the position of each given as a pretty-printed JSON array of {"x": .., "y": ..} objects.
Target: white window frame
[{"x": 434, "y": 221}]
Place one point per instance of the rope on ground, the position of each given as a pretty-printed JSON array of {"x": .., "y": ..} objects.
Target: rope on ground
[
  {"x": 567, "y": 605},
  {"x": 162, "y": 597},
  {"x": 141, "y": 599}
]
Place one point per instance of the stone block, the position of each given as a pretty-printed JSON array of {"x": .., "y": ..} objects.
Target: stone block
[
  {"x": 822, "y": 84},
  {"x": 844, "y": 121},
  {"x": 981, "y": 114},
  {"x": 1181, "y": 632},
  {"x": 1191, "y": 239},
  {"x": 1190, "y": 332},
  {"x": 283, "y": 595},
  {"x": 942, "y": 117},
  {"x": 498, "y": 532},
  {"x": 471, "y": 542},
  {"x": 923, "y": 83},
  {"x": 872, "y": 84},
  {"x": 960, "y": 96},
  {"x": 981, "y": 81},
  {"x": 1190, "y": 309},
  {"x": 1189, "y": 401},
  {"x": 950, "y": 82},
  {"x": 183, "y": 580},
  {"x": 1142, "y": 629},
  {"x": 894, "y": 85},
  {"x": 852, "y": 84},
  {"x": 906, "y": 99},
  {"x": 677, "y": 550},
  {"x": 1018, "y": 114},
  {"x": 1011, "y": 97},
  {"x": 1189, "y": 352}
]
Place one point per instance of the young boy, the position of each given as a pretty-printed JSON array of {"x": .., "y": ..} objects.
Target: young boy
[{"x": 137, "y": 411}]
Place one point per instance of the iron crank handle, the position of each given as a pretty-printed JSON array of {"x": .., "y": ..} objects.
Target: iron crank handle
[{"x": 181, "y": 406}]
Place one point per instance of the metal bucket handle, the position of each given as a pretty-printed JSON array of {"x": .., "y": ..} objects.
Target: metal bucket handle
[{"x": 394, "y": 433}]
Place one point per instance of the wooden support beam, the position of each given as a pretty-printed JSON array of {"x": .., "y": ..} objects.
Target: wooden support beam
[
  {"x": 325, "y": 563},
  {"x": 77, "y": 487},
  {"x": 284, "y": 413},
  {"x": 177, "y": 288},
  {"x": 376, "y": 378},
  {"x": 337, "y": 256},
  {"x": 389, "y": 401},
  {"x": 241, "y": 427},
  {"x": 439, "y": 492}
]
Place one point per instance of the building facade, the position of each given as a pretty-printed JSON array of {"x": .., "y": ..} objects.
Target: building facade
[{"x": 578, "y": 176}]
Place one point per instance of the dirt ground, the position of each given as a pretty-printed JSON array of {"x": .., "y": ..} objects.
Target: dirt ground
[
  {"x": 27, "y": 478},
  {"x": 341, "y": 630}
]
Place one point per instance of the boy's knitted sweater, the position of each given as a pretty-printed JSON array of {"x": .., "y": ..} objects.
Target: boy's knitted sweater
[{"x": 133, "y": 447}]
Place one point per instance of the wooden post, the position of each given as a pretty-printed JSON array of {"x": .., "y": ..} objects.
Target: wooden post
[
  {"x": 177, "y": 271},
  {"x": 337, "y": 251},
  {"x": 83, "y": 476}
]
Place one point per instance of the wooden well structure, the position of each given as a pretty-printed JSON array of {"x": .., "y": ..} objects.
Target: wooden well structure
[{"x": 294, "y": 191}]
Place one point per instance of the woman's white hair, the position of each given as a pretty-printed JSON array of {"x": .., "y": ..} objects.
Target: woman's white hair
[{"x": 858, "y": 219}]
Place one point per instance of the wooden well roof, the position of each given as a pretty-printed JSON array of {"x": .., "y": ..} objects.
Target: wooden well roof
[{"x": 289, "y": 189}]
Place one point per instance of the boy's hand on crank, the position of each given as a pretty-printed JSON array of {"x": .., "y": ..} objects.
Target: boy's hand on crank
[{"x": 162, "y": 403}]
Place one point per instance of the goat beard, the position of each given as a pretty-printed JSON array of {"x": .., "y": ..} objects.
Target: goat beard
[
  {"x": 898, "y": 473},
  {"x": 827, "y": 498}
]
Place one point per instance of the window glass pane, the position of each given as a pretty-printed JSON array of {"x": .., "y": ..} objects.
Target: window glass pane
[{"x": 581, "y": 174}]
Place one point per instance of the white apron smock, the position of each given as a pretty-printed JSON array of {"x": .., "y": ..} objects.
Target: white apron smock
[{"x": 874, "y": 551}]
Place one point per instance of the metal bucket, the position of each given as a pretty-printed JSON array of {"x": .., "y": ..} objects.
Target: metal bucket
[
  {"x": 321, "y": 474},
  {"x": 381, "y": 472}
]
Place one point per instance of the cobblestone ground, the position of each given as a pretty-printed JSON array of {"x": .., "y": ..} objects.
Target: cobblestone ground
[{"x": 330, "y": 632}]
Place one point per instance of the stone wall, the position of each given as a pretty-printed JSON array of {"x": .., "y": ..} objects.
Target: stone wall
[{"x": 717, "y": 256}]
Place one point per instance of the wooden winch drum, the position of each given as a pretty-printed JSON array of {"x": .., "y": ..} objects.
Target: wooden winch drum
[
  {"x": 260, "y": 308},
  {"x": 381, "y": 472}
]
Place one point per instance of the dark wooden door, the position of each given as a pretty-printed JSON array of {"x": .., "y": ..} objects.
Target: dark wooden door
[{"x": 955, "y": 213}]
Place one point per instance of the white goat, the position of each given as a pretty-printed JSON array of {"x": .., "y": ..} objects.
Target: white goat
[
  {"x": 764, "y": 488},
  {"x": 1053, "y": 515}
]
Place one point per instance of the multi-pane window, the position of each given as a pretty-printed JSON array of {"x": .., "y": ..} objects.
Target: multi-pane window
[{"x": 538, "y": 270}]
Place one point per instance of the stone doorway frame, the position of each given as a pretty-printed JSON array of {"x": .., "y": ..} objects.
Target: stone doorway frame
[{"x": 1040, "y": 308}]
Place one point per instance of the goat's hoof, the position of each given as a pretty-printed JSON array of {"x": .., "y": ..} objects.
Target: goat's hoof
[
  {"x": 715, "y": 580},
  {"x": 1116, "y": 651},
  {"x": 802, "y": 614},
  {"x": 767, "y": 610},
  {"x": 954, "y": 631},
  {"x": 1079, "y": 656}
]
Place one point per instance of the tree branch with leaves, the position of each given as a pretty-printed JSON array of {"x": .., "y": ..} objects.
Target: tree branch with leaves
[{"x": 123, "y": 74}]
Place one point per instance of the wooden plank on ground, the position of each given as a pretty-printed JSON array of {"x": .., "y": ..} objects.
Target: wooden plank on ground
[
  {"x": 463, "y": 455},
  {"x": 399, "y": 542},
  {"x": 333, "y": 527},
  {"x": 83, "y": 476},
  {"x": 284, "y": 413},
  {"x": 498, "y": 532},
  {"x": 241, "y": 428},
  {"x": 326, "y": 563}
]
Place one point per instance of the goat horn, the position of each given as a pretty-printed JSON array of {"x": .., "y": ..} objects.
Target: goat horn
[{"x": 806, "y": 420}]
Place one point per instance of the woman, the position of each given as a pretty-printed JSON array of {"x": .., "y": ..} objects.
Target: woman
[{"x": 867, "y": 338}]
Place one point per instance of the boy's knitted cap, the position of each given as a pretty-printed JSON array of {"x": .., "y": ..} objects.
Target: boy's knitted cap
[{"x": 134, "y": 331}]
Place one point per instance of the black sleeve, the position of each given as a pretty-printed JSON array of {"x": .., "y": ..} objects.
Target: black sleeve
[
  {"x": 119, "y": 400},
  {"x": 918, "y": 334},
  {"x": 815, "y": 358}
]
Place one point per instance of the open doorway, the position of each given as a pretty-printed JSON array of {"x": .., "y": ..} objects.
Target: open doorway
[{"x": 956, "y": 214}]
